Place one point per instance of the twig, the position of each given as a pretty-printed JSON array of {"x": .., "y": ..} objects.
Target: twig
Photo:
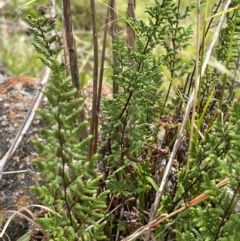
[
  {"x": 21, "y": 171},
  {"x": 94, "y": 120},
  {"x": 26, "y": 123},
  {"x": 186, "y": 115},
  {"x": 71, "y": 52},
  {"x": 71, "y": 46},
  {"x": 131, "y": 36},
  {"x": 103, "y": 58},
  {"x": 52, "y": 13},
  {"x": 114, "y": 34}
]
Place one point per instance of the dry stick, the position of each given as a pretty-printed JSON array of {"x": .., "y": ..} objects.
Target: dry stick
[
  {"x": 26, "y": 123},
  {"x": 102, "y": 60},
  {"x": 52, "y": 12},
  {"x": 71, "y": 52},
  {"x": 21, "y": 171},
  {"x": 94, "y": 118},
  {"x": 114, "y": 33},
  {"x": 131, "y": 39},
  {"x": 131, "y": 36},
  {"x": 71, "y": 44},
  {"x": 186, "y": 115},
  {"x": 65, "y": 49},
  {"x": 156, "y": 222}
]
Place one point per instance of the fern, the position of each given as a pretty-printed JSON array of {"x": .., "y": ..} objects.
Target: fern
[
  {"x": 70, "y": 182},
  {"x": 132, "y": 157},
  {"x": 212, "y": 161},
  {"x": 132, "y": 125}
]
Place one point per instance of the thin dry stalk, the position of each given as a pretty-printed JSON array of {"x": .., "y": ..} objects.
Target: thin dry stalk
[
  {"x": 71, "y": 55},
  {"x": 181, "y": 131},
  {"x": 94, "y": 118},
  {"x": 131, "y": 36},
  {"x": 114, "y": 34},
  {"x": 65, "y": 49},
  {"x": 52, "y": 12},
  {"x": 99, "y": 95},
  {"x": 18, "y": 212},
  {"x": 71, "y": 46},
  {"x": 26, "y": 209}
]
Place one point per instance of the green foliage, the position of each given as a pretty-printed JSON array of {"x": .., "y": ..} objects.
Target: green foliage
[
  {"x": 227, "y": 52},
  {"x": 132, "y": 159},
  {"x": 229, "y": 39},
  {"x": 131, "y": 125},
  {"x": 70, "y": 181},
  {"x": 212, "y": 160}
]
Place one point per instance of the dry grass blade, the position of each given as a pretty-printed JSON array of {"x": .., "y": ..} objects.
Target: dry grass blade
[
  {"x": 18, "y": 212},
  {"x": 221, "y": 68}
]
